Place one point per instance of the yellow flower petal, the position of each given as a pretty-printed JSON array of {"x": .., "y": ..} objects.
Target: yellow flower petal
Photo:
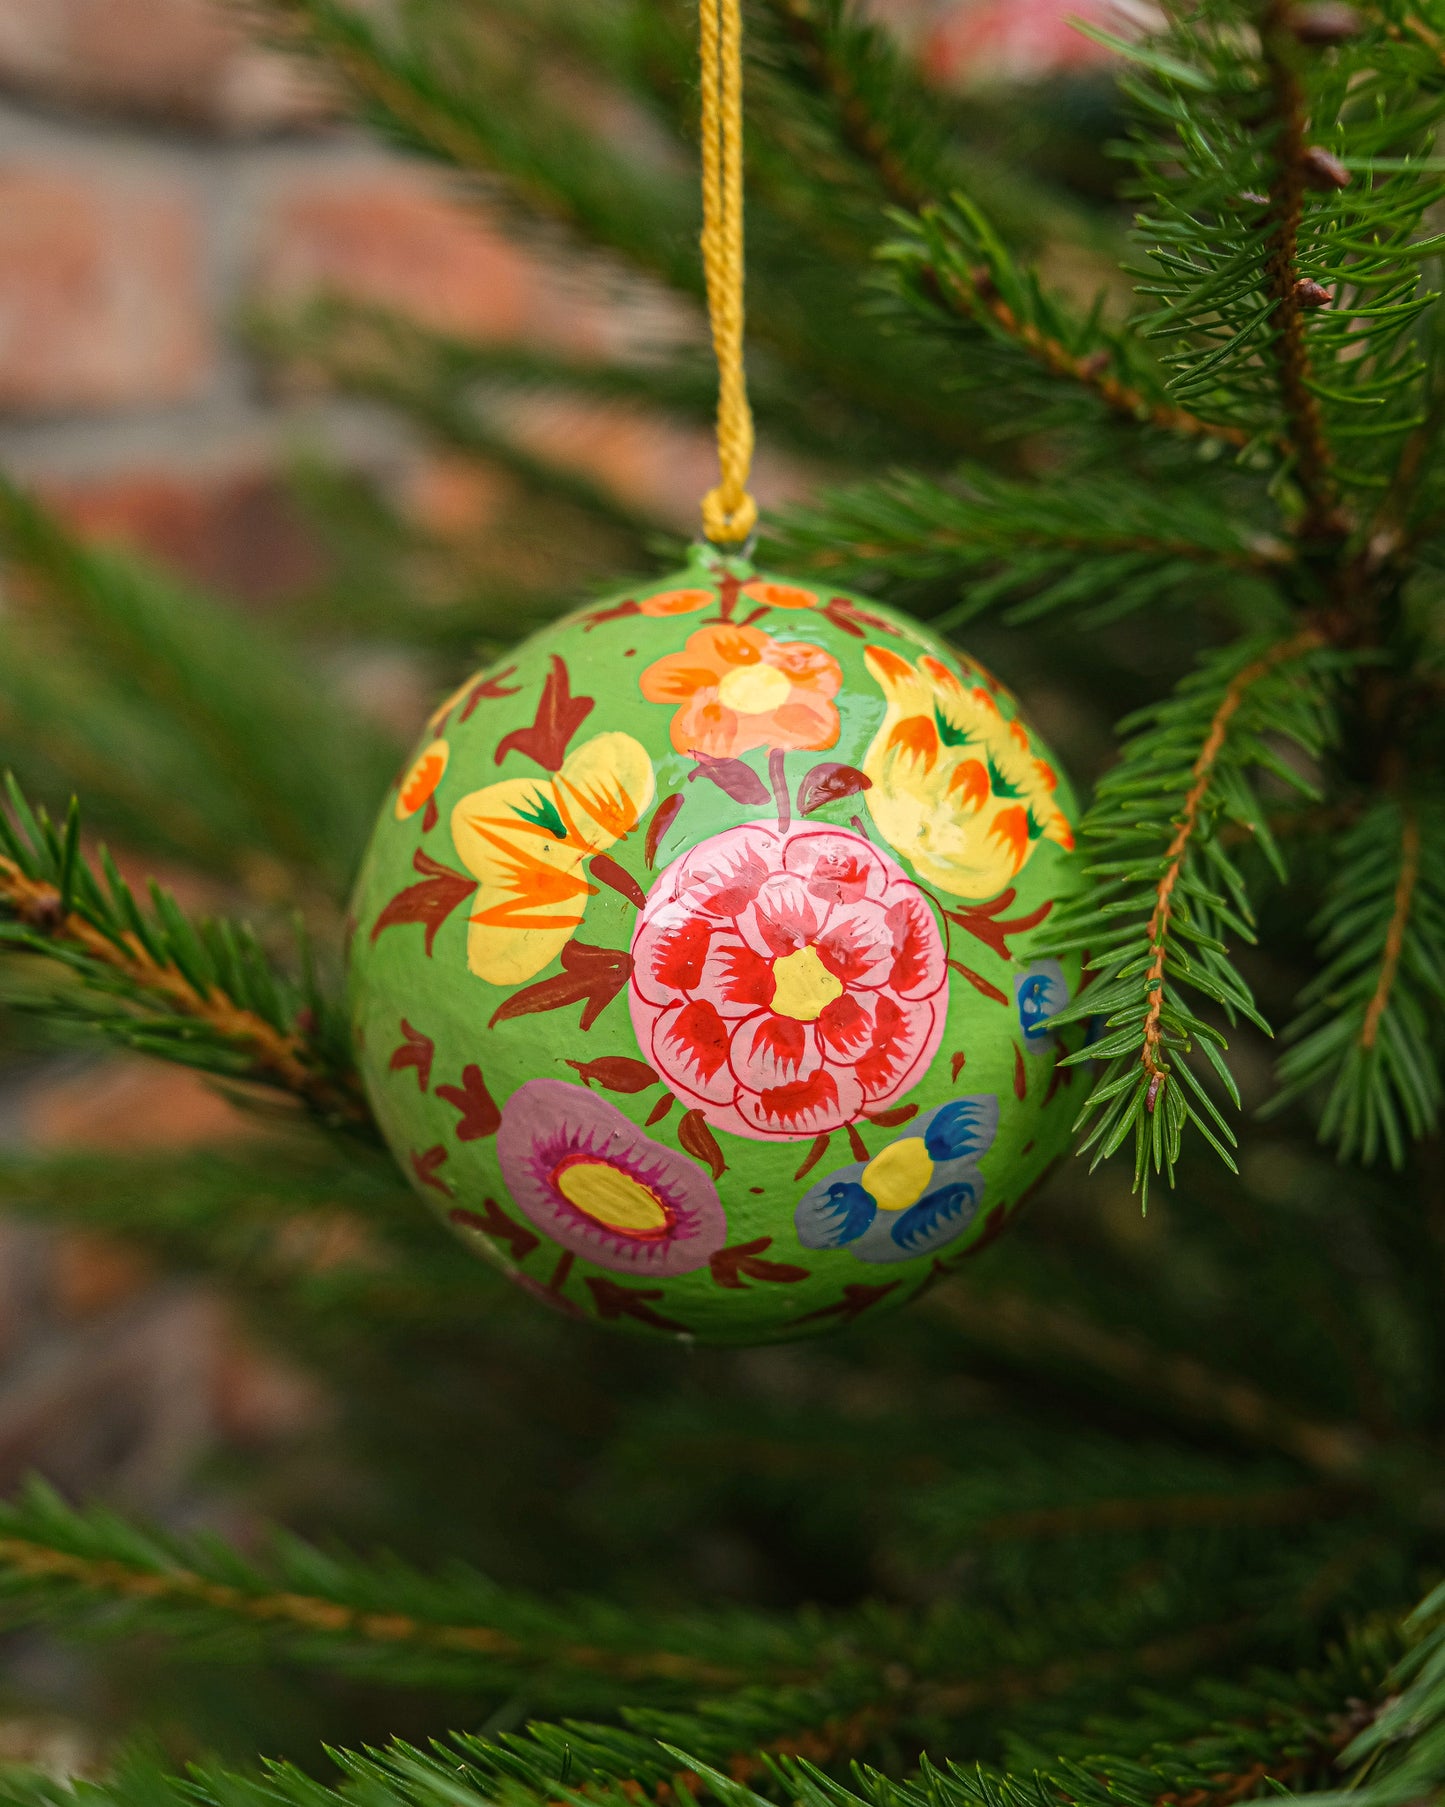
[
  {"x": 604, "y": 787},
  {"x": 956, "y": 788},
  {"x": 525, "y": 840}
]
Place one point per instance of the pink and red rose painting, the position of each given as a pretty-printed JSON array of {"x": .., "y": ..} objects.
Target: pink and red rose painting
[{"x": 788, "y": 982}]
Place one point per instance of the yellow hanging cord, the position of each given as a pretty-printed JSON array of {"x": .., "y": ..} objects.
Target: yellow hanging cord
[{"x": 729, "y": 513}]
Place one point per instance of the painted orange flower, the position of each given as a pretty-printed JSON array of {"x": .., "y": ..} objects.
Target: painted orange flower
[
  {"x": 737, "y": 688},
  {"x": 676, "y": 602},
  {"x": 780, "y": 596}
]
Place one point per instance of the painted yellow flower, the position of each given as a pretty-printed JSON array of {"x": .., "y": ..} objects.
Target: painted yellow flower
[
  {"x": 526, "y": 841},
  {"x": 956, "y": 787}
]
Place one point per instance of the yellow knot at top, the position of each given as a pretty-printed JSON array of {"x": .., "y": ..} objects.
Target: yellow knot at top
[{"x": 726, "y": 527}]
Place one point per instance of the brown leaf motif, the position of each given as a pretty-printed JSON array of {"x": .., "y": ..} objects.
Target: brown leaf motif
[
  {"x": 696, "y": 1139},
  {"x": 479, "y": 1113},
  {"x": 728, "y": 1266},
  {"x": 614, "y": 1301},
  {"x": 425, "y": 1166},
  {"x": 828, "y": 783},
  {"x": 985, "y": 987},
  {"x": 417, "y": 1051},
  {"x": 901, "y": 1113},
  {"x": 662, "y": 819},
  {"x": 987, "y": 923},
  {"x": 733, "y": 776},
  {"x": 559, "y": 716},
  {"x": 615, "y": 1072},
  {"x": 606, "y": 871},
  {"x": 590, "y": 976},
  {"x": 492, "y": 688},
  {"x": 493, "y": 1221},
  {"x": 846, "y": 614},
  {"x": 857, "y": 1298},
  {"x": 430, "y": 902}
]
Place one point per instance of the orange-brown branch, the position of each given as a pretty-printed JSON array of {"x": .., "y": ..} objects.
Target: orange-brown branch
[
  {"x": 972, "y": 299},
  {"x": 1201, "y": 773},
  {"x": 276, "y": 1058},
  {"x": 308, "y": 1612},
  {"x": 1395, "y": 934}
]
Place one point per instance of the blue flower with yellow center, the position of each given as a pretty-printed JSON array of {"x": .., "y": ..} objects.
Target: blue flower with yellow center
[{"x": 916, "y": 1195}]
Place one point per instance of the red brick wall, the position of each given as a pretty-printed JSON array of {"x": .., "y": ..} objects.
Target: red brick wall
[{"x": 158, "y": 172}]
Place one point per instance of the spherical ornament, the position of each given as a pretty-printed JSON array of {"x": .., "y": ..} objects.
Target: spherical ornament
[{"x": 699, "y": 974}]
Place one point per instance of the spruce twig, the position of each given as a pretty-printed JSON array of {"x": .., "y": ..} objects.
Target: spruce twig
[
  {"x": 203, "y": 994},
  {"x": 1188, "y": 824},
  {"x": 973, "y": 296},
  {"x": 1154, "y": 927}
]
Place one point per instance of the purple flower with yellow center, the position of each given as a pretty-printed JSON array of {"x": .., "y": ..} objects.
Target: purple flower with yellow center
[{"x": 590, "y": 1179}]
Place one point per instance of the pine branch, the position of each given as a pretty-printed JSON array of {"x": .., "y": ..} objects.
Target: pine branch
[
  {"x": 435, "y": 86},
  {"x": 204, "y": 994},
  {"x": 72, "y": 727},
  {"x": 1155, "y": 923},
  {"x": 953, "y": 267},
  {"x": 340, "y": 1612},
  {"x": 1368, "y": 1020},
  {"x": 435, "y": 383},
  {"x": 339, "y": 336},
  {"x": 1269, "y": 1727},
  {"x": 1093, "y": 544}
]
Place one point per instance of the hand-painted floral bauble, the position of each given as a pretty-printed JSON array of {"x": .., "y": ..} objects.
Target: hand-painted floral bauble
[{"x": 699, "y": 967}]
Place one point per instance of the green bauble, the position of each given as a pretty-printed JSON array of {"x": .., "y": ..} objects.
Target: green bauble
[{"x": 696, "y": 978}]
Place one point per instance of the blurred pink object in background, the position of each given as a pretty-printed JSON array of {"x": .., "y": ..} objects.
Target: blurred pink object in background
[{"x": 988, "y": 41}]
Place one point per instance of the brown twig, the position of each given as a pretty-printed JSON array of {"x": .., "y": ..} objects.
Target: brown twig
[
  {"x": 1201, "y": 773},
  {"x": 969, "y": 300},
  {"x": 1395, "y": 934},
  {"x": 277, "y": 1059},
  {"x": 1314, "y": 463}
]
